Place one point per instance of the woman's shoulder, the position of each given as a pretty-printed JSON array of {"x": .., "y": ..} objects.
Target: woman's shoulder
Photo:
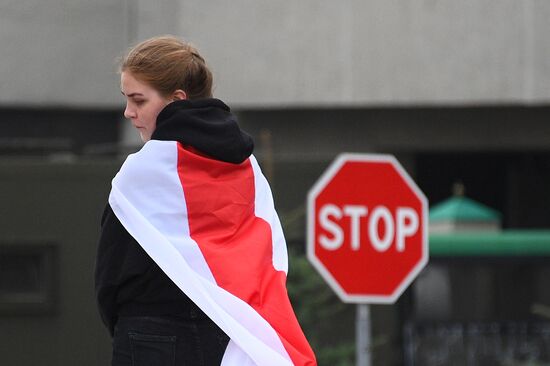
[
  {"x": 154, "y": 150},
  {"x": 153, "y": 156},
  {"x": 152, "y": 167}
]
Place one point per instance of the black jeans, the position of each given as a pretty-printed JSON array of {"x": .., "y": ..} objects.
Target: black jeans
[{"x": 168, "y": 341}]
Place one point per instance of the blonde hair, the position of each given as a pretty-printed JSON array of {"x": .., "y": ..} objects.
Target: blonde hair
[{"x": 167, "y": 64}]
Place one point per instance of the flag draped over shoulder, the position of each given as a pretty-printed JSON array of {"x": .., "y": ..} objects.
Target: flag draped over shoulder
[{"x": 212, "y": 228}]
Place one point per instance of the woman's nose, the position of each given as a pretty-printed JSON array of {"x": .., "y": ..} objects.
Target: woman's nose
[{"x": 129, "y": 113}]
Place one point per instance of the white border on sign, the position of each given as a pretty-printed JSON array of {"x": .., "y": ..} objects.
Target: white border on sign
[{"x": 320, "y": 185}]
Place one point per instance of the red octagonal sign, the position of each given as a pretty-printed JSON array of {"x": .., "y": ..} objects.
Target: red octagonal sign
[{"x": 367, "y": 228}]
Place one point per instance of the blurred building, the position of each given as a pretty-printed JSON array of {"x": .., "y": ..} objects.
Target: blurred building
[
  {"x": 458, "y": 91},
  {"x": 483, "y": 298}
]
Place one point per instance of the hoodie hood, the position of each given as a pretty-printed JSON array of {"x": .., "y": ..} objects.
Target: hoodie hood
[{"x": 206, "y": 125}]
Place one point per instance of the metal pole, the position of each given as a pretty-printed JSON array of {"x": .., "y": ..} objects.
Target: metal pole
[{"x": 362, "y": 335}]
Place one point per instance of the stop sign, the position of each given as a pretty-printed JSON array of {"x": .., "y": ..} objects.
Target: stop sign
[{"x": 367, "y": 228}]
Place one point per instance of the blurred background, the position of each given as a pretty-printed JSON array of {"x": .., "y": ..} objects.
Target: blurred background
[{"x": 458, "y": 91}]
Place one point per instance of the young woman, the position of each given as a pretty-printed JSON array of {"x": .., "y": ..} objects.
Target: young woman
[{"x": 191, "y": 265}]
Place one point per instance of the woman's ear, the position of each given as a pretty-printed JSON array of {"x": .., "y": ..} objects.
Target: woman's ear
[{"x": 179, "y": 95}]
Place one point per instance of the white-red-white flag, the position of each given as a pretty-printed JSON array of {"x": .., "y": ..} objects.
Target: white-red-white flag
[{"x": 212, "y": 228}]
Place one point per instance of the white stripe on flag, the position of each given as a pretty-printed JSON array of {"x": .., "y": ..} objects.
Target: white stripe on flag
[{"x": 265, "y": 209}]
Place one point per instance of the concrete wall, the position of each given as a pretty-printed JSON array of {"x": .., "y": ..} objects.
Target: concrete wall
[
  {"x": 278, "y": 53},
  {"x": 354, "y": 52},
  {"x": 60, "y": 52}
]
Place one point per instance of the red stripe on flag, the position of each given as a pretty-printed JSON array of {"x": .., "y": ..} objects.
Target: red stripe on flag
[{"x": 237, "y": 245}]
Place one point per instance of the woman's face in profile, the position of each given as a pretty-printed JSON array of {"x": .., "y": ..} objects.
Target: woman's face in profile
[{"x": 143, "y": 104}]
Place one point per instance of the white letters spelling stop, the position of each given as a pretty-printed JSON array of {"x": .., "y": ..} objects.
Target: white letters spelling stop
[
  {"x": 398, "y": 226},
  {"x": 367, "y": 228}
]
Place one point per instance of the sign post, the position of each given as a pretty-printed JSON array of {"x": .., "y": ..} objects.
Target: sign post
[
  {"x": 362, "y": 335},
  {"x": 367, "y": 233}
]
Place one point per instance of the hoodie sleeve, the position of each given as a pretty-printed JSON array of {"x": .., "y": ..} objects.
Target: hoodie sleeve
[{"x": 119, "y": 259}]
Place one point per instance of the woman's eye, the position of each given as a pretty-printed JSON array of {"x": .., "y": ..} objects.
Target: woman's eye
[{"x": 139, "y": 102}]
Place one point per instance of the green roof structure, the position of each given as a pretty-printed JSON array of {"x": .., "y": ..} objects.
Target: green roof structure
[
  {"x": 460, "y": 208},
  {"x": 471, "y": 230}
]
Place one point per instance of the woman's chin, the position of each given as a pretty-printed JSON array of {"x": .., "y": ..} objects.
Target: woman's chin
[{"x": 144, "y": 136}]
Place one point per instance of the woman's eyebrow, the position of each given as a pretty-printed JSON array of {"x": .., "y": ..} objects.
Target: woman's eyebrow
[{"x": 131, "y": 94}]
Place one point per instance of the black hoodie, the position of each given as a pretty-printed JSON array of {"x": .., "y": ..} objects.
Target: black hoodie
[{"x": 127, "y": 281}]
